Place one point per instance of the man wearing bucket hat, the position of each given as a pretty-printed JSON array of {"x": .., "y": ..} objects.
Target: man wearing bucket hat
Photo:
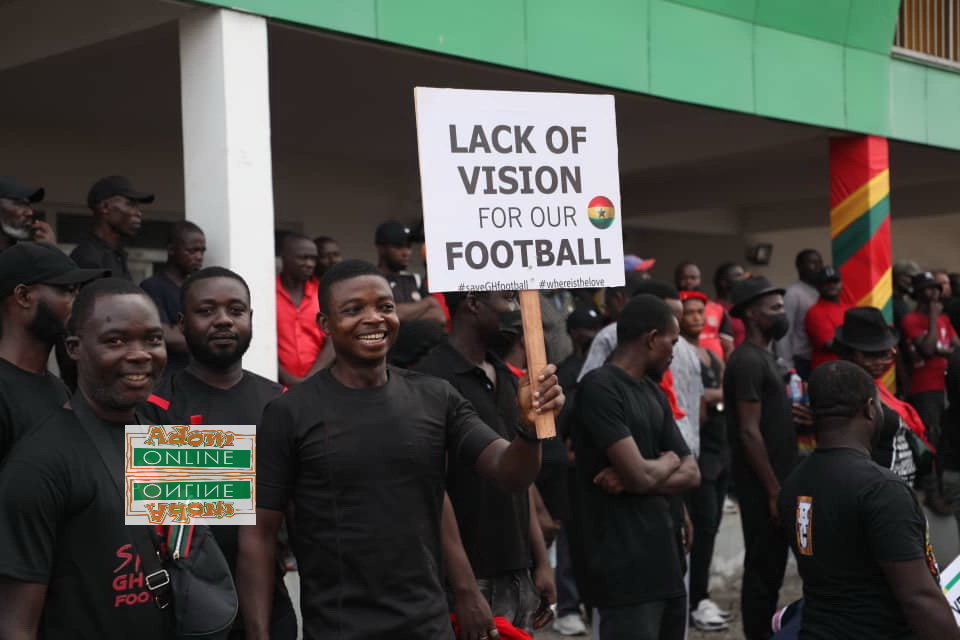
[
  {"x": 866, "y": 340},
  {"x": 763, "y": 445}
]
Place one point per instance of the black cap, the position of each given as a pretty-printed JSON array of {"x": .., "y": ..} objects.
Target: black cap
[
  {"x": 747, "y": 290},
  {"x": 115, "y": 186},
  {"x": 10, "y": 188},
  {"x": 40, "y": 263},
  {"x": 925, "y": 280},
  {"x": 392, "y": 232},
  {"x": 583, "y": 317},
  {"x": 827, "y": 274},
  {"x": 865, "y": 329}
]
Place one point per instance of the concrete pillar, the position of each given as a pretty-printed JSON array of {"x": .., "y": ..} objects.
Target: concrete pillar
[
  {"x": 860, "y": 222},
  {"x": 228, "y": 180}
]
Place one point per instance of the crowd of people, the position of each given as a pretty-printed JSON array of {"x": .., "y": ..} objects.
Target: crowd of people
[{"x": 397, "y": 459}]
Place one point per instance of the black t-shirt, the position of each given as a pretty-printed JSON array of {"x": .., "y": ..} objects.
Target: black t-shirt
[
  {"x": 94, "y": 253},
  {"x": 184, "y": 399},
  {"x": 26, "y": 400},
  {"x": 365, "y": 470},
  {"x": 494, "y": 524},
  {"x": 628, "y": 541},
  {"x": 166, "y": 295},
  {"x": 752, "y": 375},
  {"x": 407, "y": 287},
  {"x": 843, "y": 514},
  {"x": 714, "y": 449},
  {"x": 61, "y": 524}
]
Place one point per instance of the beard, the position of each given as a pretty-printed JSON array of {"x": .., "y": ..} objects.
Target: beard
[
  {"x": 217, "y": 359},
  {"x": 46, "y": 326},
  {"x": 17, "y": 233}
]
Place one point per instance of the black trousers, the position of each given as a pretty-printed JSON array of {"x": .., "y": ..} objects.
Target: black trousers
[
  {"x": 764, "y": 563},
  {"x": 705, "y": 505},
  {"x": 658, "y": 620},
  {"x": 930, "y": 406}
]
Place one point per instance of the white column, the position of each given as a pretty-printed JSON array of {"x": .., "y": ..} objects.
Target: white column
[{"x": 228, "y": 180}]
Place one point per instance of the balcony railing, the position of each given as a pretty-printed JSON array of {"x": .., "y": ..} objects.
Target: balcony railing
[{"x": 929, "y": 30}]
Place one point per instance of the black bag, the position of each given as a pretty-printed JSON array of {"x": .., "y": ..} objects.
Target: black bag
[{"x": 197, "y": 589}]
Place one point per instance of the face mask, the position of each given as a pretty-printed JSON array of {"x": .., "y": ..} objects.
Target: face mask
[
  {"x": 779, "y": 326},
  {"x": 510, "y": 322}
]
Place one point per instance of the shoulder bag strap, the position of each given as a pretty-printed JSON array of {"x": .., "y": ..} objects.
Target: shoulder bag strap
[{"x": 155, "y": 576}]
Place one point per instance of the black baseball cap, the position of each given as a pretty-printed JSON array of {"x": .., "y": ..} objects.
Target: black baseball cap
[
  {"x": 392, "y": 232},
  {"x": 925, "y": 280},
  {"x": 583, "y": 317},
  {"x": 115, "y": 186},
  {"x": 827, "y": 274},
  {"x": 40, "y": 263},
  {"x": 10, "y": 188}
]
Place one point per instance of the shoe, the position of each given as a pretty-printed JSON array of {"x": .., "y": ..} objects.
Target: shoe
[
  {"x": 707, "y": 618},
  {"x": 729, "y": 506},
  {"x": 570, "y": 625},
  {"x": 710, "y": 605}
]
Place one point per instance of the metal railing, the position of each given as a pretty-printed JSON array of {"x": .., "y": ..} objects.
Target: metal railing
[{"x": 929, "y": 30}]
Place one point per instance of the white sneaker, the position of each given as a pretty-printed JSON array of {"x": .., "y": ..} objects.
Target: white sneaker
[
  {"x": 710, "y": 605},
  {"x": 707, "y": 618},
  {"x": 729, "y": 506},
  {"x": 570, "y": 625}
]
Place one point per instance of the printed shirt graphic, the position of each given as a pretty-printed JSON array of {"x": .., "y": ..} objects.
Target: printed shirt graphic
[{"x": 805, "y": 525}]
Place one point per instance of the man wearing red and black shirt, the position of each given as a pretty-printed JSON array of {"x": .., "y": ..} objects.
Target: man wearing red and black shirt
[
  {"x": 824, "y": 317},
  {"x": 299, "y": 337},
  {"x": 717, "y": 335},
  {"x": 932, "y": 339}
]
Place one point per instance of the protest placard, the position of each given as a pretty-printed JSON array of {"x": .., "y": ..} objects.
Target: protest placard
[
  {"x": 521, "y": 191},
  {"x": 950, "y": 583}
]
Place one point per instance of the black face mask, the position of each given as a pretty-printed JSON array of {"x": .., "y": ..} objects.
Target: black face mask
[
  {"x": 779, "y": 326},
  {"x": 510, "y": 322}
]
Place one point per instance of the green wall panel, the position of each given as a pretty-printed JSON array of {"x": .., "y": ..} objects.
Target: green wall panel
[
  {"x": 349, "y": 16},
  {"x": 604, "y": 42},
  {"x": 492, "y": 30},
  {"x": 799, "y": 78},
  {"x": 871, "y": 24},
  {"x": 744, "y": 10},
  {"x": 943, "y": 108},
  {"x": 908, "y": 98},
  {"x": 700, "y": 57},
  {"x": 821, "y": 19},
  {"x": 867, "y": 86}
]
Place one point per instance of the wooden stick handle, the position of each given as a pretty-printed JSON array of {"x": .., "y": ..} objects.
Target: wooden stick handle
[{"x": 536, "y": 354}]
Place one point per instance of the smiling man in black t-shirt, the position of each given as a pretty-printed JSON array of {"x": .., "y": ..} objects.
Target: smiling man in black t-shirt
[
  {"x": 38, "y": 284},
  {"x": 214, "y": 389},
  {"x": 630, "y": 459},
  {"x": 360, "y": 450},
  {"x": 857, "y": 531},
  {"x": 69, "y": 568}
]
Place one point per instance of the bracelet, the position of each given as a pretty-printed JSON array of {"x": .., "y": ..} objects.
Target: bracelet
[{"x": 525, "y": 434}]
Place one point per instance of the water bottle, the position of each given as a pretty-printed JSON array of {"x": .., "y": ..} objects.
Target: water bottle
[{"x": 795, "y": 389}]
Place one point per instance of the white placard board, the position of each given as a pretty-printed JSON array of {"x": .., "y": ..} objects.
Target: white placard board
[
  {"x": 950, "y": 583},
  {"x": 520, "y": 190}
]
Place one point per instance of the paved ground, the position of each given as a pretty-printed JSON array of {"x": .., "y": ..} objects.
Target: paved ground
[{"x": 727, "y": 568}]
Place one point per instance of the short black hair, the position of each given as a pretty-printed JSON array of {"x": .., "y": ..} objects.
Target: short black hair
[
  {"x": 87, "y": 298},
  {"x": 721, "y": 274},
  {"x": 656, "y": 288},
  {"x": 344, "y": 271},
  {"x": 803, "y": 256},
  {"x": 641, "y": 315},
  {"x": 455, "y": 298},
  {"x": 206, "y": 273},
  {"x": 290, "y": 236},
  {"x": 839, "y": 389},
  {"x": 683, "y": 265},
  {"x": 179, "y": 229},
  {"x": 319, "y": 240}
]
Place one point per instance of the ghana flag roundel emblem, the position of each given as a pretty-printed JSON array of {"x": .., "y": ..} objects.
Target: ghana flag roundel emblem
[{"x": 601, "y": 212}]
